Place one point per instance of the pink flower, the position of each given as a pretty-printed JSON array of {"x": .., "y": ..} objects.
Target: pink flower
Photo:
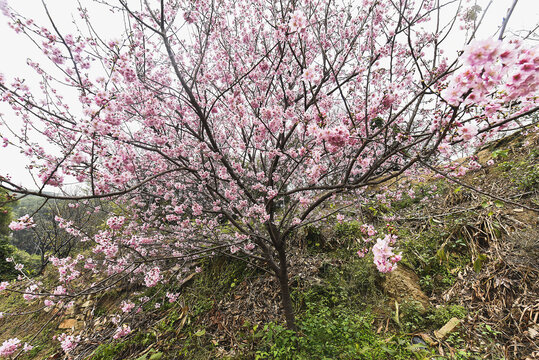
[
  {"x": 9, "y": 347},
  {"x": 152, "y": 277},
  {"x": 310, "y": 75},
  {"x": 474, "y": 165},
  {"x": 60, "y": 290},
  {"x": 23, "y": 222},
  {"x": 480, "y": 52},
  {"x": 468, "y": 131},
  {"x": 48, "y": 177},
  {"x": 361, "y": 253},
  {"x": 197, "y": 209},
  {"x": 272, "y": 193},
  {"x": 172, "y": 297},
  {"x": 368, "y": 229},
  {"x": 452, "y": 94},
  {"x": 298, "y": 21},
  {"x": 68, "y": 342},
  {"x": 4, "y": 7},
  {"x": 115, "y": 222},
  {"x": 127, "y": 306},
  {"x": 462, "y": 170},
  {"x": 337, "y": 136},
  {"x": 122, "y": 331},
  {"x": 384, "y": 258},
  {"x": 4, "y": 285}
]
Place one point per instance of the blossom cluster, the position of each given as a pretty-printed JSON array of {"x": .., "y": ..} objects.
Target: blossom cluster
[
  {"x": 68, "y": 342},
  {"x": 10, "y": 346},
  {"x": 298, "y": 21},
  {"x": 116, "y": 222},
  {"x": 67, "y": 267},
  {"x": 505, "y": 69},
  {"x": 122, "y": 331},
  {"x": 153, "y": 276},
  {"x": 127, "y": 306},
  {"x": 22, "y": 223},
  {"x": 384, "y": 257}
]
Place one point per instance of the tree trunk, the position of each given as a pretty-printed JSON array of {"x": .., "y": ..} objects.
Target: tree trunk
[
  {"x": 287, "y": 304},
  {"x": 285, "y": 289}
]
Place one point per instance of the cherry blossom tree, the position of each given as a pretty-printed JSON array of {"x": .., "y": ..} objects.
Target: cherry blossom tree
[
  {"x": 44, "y": 236},
  {"x": 224, "y": 126}
]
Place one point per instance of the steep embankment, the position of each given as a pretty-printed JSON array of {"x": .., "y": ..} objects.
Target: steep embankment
[{"x": 467, "y": 287}]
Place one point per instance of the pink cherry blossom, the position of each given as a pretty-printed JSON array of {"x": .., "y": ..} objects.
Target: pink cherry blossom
[
  {"x": 298, "y": 21},
  {"x": 4, "y": 7},
  {"x": 468, "y": 131},
  {"x": 153, "y": 276},
  {"x": 122, "y": 331},
  {"x": 23, "y": 222},
  {"x": 172, "y": 297},
  {"x": 311, "y": 75},
  {"x": 68, "y": 342},
  {"x": 115, "y": 222},
  {"x": 384, "y": 258},
  {"x": 9, "y": 347},
  {"x": 127, "y": 306},
  {"x": 481, "y": 52}
]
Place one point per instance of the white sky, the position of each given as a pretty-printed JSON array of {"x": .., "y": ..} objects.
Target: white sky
[{"x": 16, "y": 49}]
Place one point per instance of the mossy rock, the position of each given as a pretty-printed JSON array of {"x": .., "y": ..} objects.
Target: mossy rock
[{"x": 402, "y": 284}]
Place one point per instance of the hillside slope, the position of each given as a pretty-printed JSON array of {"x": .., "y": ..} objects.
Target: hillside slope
[{"x": 467, "y": 258}]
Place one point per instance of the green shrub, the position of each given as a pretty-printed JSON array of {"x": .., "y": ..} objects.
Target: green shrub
[
  {"x": 413, "y": 317},
  {"x": 347, "y": 231},
  {"x": 314, "y": 240},
  {"x": 329, "y": 333}
]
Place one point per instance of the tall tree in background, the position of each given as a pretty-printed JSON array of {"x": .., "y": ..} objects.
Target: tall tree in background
[
  {"x": 223, "y": 126},
  {"x": 7, "y": 270},
  {"x": 47, "y": 238}
]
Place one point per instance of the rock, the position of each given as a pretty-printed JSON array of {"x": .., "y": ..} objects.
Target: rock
[
  {"x": 427, "y": 339},
  {"x": 87, "y": 304},
  {"x": 71, "y": 311},
  {"x": 403, "y": 284},
  {"x": 68, "y": 324},
  {"x": 419, "y": 343},
  {"x": 448, "y": 328}
]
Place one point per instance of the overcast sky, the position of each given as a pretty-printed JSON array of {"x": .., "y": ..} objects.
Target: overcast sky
[{"x": 16, "y": 49}]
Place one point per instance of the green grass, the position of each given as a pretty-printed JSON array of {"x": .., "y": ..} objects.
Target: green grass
[{"x": 330, "y": 333}]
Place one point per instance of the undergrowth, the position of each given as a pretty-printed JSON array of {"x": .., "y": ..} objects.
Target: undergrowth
[{"x": 330, "y": 333}]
